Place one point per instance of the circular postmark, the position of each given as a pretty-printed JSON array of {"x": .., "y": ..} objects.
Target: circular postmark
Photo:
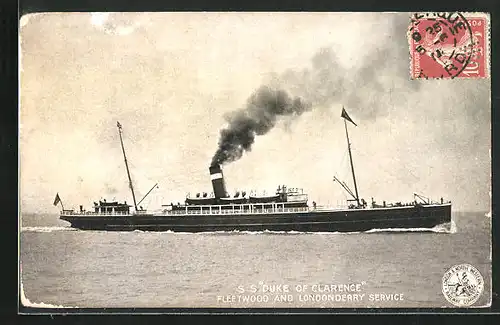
[
  {"x": 462, "y": 285},
  {"x": 442, "y": 44}
]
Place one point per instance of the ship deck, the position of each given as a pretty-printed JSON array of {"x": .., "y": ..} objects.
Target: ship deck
[{"x": 246, "y": 209}]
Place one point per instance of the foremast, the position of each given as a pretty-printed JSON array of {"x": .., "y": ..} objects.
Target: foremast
[
  {"x": 126, "y": 164},
  {"x": 352, "y": 165},
  {"x": 355, "y": 195}
]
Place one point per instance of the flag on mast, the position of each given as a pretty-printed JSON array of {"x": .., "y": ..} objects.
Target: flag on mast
[
  {"x": 346, "y": 116},
  {"x": 57, "y": 199}
]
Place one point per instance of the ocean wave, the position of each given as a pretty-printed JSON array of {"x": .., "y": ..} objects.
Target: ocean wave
[
  {"x": 46, "y": 229},
  {"x": 442, "y": 228},
  {"x": 27, "y": 303}
]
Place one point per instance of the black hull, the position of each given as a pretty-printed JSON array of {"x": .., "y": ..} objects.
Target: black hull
[{"x": 314, "y": 221}]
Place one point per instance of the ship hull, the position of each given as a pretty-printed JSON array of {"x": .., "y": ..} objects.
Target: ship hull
[{"x": 351, "y": 220}]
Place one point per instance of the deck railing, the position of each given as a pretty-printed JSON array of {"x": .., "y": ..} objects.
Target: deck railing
[
  {"x": 92, "y": 213},
  {"x": 216, "y": 211}
]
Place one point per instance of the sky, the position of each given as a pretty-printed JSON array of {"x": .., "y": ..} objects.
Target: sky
[{"x": 173, "y": 80}]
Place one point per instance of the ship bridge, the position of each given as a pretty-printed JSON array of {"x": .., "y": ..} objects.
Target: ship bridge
[{"x": 111, "y": 207}]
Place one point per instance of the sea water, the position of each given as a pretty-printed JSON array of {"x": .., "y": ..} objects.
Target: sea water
[{"x": 64, "y": 267}]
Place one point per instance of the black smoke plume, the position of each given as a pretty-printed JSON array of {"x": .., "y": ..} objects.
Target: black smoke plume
[
  {"x": 368, "y": 91},
  {"x": 258, "y": 117}
]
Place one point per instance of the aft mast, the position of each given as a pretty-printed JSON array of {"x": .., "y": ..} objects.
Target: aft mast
[
  {"x": 347, "y": 118},
  {"x": 126, "y": 164}
]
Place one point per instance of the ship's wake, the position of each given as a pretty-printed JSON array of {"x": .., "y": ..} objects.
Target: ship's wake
[
  {"x": 46, "y": 229},
  {"x": 449, "y": 228},
  {"x": 442, "y": 228}
]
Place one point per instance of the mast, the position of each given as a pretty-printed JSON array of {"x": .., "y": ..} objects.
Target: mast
[
  {"x": 352, "y": 166},
  {"x": 126, "y": 164}
]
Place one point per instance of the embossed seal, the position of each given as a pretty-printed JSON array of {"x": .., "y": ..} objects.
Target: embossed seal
[{"x": 462, "y": 285}]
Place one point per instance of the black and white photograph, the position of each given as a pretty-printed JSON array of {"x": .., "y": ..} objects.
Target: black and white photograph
[{"x": 254, "y": 160}]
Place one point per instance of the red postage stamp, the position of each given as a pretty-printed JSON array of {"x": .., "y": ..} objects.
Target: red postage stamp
[{"x": 449, "y": 45}]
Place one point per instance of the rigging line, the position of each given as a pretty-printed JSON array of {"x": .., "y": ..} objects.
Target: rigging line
[
  {"x": 382, "y": 168},
  {"x": 140, "y": 175},
  {"x": 342, "y": 160},
  {"x": 344, "y": 156},
  {"x": 342, "y": 164},
  {"x": 345, "y": 164}
]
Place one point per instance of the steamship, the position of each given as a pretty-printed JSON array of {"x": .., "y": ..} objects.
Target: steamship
[{"x": 288, "y": 209}]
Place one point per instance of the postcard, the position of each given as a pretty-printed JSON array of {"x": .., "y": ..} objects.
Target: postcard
[{"x": 230, "y": 160}]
